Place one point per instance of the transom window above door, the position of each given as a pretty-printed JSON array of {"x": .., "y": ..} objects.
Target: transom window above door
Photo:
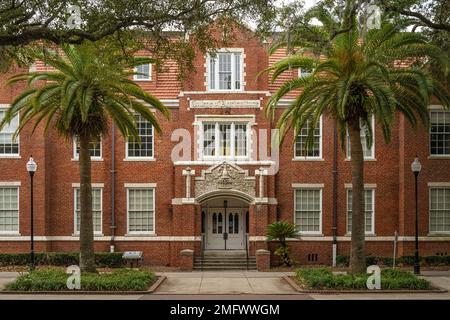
[
  {"x": 224, "y": 140},
  {"x": 225, "y": 71}
]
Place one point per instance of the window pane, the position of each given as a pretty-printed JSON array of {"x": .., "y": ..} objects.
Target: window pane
[
  {"x": 212, "y": 73},
  {"x": 308, "y": 210},
  {"x": 237, "y": 71},
  {"x": 225, "y": 139},
  {"x": 368, "y": 152},
  {"x": 368, "y": 203},
  {"x": 440, "y": 210},
  {"x": 300, "y": 143},
  {"x": 145, "y": 72},
  {"x": 96, "y": 209},
  {"x": 9, "y": 209},
  {"x": 95, "y": 148},
  {"x": 145, "y": 147},
  {"x": 209, "y": 139},
  {"x": 225, "y": 71},
  {"x": 440, "y": 133},
  {"x": 240, "y": 144},
  {"x": 140, "y": 210},
  {"x": 8, "y": 145}
]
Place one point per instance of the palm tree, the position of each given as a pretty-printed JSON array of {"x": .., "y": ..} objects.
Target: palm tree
[
  {"x": 281, "y": 231},
  {"x": 359, "y": 80},
  {"x": 78, "y": 98}
]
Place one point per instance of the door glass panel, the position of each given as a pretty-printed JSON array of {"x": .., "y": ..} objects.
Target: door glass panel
[
  {"x": 219, "y": 224},
  {"x": 236, "y": 223},
  {"x": 214, "y": 223},
  {"x": 230, "y": 223}
]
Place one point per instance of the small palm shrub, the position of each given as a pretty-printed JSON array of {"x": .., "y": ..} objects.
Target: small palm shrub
[{"x": 280, "y": 231}]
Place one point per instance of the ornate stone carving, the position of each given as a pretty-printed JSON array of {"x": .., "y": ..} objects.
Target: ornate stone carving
[{"x": 225, "y": 176}]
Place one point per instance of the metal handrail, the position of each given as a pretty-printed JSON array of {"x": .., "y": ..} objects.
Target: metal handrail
[
  {"x": 203, "y": 251},
  {"x": 246, "y": 249}
]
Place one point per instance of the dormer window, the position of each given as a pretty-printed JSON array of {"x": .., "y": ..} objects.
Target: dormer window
[{"x": 225, "y": 71}]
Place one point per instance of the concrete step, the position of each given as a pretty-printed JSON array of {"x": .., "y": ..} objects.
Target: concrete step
[
  {"x": 224, "y": 259},
  {"x": 224, "y": 263},
  {"x": 218, "y": 268}
]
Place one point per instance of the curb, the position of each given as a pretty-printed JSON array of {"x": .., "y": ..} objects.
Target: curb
[
  {"x": 150, "y": 290},
  {"x": 297, "y": 288}
]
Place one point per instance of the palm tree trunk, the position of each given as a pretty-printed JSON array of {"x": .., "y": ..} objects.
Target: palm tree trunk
[
  {"x": 87, "y": 258},
  {"x": 357, "y": 256}
]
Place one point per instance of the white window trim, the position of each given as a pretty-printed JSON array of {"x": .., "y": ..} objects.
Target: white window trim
[
  {"x": 372, "y": 156},
  {"x": 76, "y": 186},
  {"x": 438, "y": 108},
  {"x": 302, "y": 76},
  {"x": 372, "y": 231},
  {"x": 140, "y": 233},
  {"x": 320, "y": 188},
  {"x": 76, "y": 157},
  {"x": 306, "y": 158},
  {"x": 13, "y": 184},
  {"x": 11, "y": 155},
  {"x": 150, "y": 70},
  {"x": 134, "y": 158},
  {"x": 233, "y": 76},
  {"x": 436, "y": 185}
]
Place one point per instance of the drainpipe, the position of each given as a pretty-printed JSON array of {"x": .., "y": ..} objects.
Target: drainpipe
[
  {"x": 113, "y": 187},
  {"x": 335, "y": 189}
]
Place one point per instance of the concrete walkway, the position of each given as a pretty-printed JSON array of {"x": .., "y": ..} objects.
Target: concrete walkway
[{"x": 233, "y": 282}]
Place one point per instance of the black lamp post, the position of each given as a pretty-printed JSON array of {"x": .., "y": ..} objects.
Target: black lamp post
[
  {"x": 31, "y": 168},
  {"x": 416, "y": 166}
]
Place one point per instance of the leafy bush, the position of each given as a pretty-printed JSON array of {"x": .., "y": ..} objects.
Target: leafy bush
[
  {"x": 323, "y": 278},
  {"x": 102, "y": 259},
  {"x": 280, "y": 231},
  {"x": 56, "y": 279},
  {"x": 343, "y": 261}
]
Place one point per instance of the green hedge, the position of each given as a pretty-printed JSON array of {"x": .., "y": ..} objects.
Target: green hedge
[
  {"x": 323, "y": 278},
  {"x": 102, "y": 259},
  {"x": 343, "y": 261},
  {"x": 56, "y": 280}
]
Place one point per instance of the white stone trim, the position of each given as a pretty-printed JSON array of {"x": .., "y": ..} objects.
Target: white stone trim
[
  {"x": 213, "y": 162},
  {"x": 307, "y": 185},
  {"x": 183, "y": 93},
  {"x": 367, "y": 238},
  {"x": 439, "y": 184},
  {"x": 10, "y": 183},
  {"x": 366, "y": 185},
  {"x": 436, "y": 107},
  {"x": 140, "y": 185},
  {"x": 93, "y": 185}
]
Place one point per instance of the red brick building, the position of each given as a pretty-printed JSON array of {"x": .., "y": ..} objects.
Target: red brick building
[{"x": 226, "y": 180}]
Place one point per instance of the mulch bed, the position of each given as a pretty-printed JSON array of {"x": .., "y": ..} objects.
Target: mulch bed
[{"x": 293, "y": 282}]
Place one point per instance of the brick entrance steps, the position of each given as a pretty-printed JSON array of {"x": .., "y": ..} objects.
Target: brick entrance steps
[{"x": 224, "y": 260}]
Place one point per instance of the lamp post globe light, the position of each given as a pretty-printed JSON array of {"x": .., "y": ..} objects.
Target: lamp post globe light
[
  {"x": 31, "y": 168},
  {"x": 416, "y": 167}
]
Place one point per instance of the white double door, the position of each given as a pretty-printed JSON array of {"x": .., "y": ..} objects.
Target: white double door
[{"x": 225, "y": 229}]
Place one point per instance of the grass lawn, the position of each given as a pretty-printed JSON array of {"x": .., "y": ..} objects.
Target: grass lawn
[
  {"x": 391, "y": 279},
  {"x": 52, "y": 279}
]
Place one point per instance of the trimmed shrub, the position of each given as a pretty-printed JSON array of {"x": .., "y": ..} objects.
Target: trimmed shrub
[
  {"x": 323, "y": 278},
  {"x": 56, "y": 280},
  {"x": 342, "y": 261},
  {"x": 110, "y": 260}
]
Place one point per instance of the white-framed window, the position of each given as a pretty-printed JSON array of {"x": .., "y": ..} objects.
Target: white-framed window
[
  {"x": 440, "y": 133},
  {"x": 145, "y": 72},
  {"x": 300, "y": 142},
  {"x": 308, "y": 210},
  {"x": 302, "y": 72},
  {"x": 225, "y": 70},
  {"x": 95, "y": 149},
  {"x": 440, "y": 210},
  {"x": 224, "y": 140},
  {"x": 369, "y": 153},
  {"x": 9, "y": 210},
  {"x": 369, "y": 203},
  {"x": 8, "y": 145},
  {"x": 143, "y": 148},
  {"x": 97, "y": 210},
  {"x": 140, "y": 210}
]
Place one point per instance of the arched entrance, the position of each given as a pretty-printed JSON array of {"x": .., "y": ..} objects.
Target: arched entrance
[{"x": 225, "y": 223}]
